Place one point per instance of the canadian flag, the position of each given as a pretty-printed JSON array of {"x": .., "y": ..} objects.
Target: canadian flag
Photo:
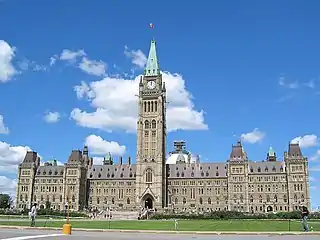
[{"x": 151, "y": 25}]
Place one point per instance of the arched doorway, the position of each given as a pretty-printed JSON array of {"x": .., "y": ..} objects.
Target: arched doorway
[
  {"x": 269, "y": 209},
  {"x": 148, "y": 201}
]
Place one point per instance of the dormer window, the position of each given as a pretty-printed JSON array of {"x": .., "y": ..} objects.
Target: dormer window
[
  {"x": 99, "y": 175},
  {"x": 178, "y": 174},
  {"x": 50, "y": 172},
  {"x": 112, "y": 175},
  {"x": 207, "y": 174},
  {"x": 182, "y": 174},
  {"x": 192, "y": 174},
  {"x": 121, "y": 175},
  {"x": 91, "y": 175},
  {"x": 251, "y": 169},
  {"x": 274, "y": 169},
  {"x": 56, "y": 173},
  {"x": 259, "y": 169},
  {"x": 217, "y": 174},
  {"x": 108, "y": 175},
  {"x": 44, "y": 173},
  {"x": 202, "y": 174},
  {"x": 266, "y": 169}
]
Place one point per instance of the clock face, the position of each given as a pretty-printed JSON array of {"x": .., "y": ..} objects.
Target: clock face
[{"x": 151, "y": 84}]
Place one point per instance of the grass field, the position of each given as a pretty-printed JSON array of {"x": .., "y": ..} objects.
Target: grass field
[{"x": 183, "y": 225}]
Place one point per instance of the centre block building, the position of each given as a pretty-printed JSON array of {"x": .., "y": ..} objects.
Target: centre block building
[{"x": 158, "y": 180}]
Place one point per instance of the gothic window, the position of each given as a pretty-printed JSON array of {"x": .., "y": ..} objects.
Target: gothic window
[
  {"x": 154, "y": 124},
  {"x": 99, "y": 175},
  {"x": 34, "y": 198},
  {"x": 182, "y": 174},
  {"x": 112, "y": 200},
  {"x": 241, "y": 198},
  {"x": 285, "y": 198},
  {"x": 98, "y": 200},
  {"x": 201, "y": 201},
  {"x": 274, "y": 169},
  {"x": 53, "y": 198},
  {"x": 207, "y": 174},
  {"x": 152, "y": 106},
  {"x": 302, "y": 198},
  {"x": 259, "y": 169},
  {"x": 281, "y": 169},
  {"x": 251, "y": 198},
  {"x": 149, "y": 176},
  {"x": 128, "y": 201},
  {"x": 60, "y": 198},
  {"x": 266, "y": 169},
  {"x": 176, "y": 200},
  {"x": 146, "y": 134},
  {"x": 130, "y": 175},
  {"x": 275, "y": 198},
  {"x": 251, "y": 169},
  {"x": 146, "y": 124},
  {"x": 40, "y": 198},
  {"x": 268, "y": 198},
  {"x": 148, "y": 106},
  {"x": 121, "y": 175},
  {"x": 145, "y": 106},
  {"x": 155, "y": 106},
  {"x": 112, "y": 175},
  {"x": 178, "y": 174},
  {"x": 295, "y": 198},
  {"x": 217, "y": 174},
  {"x": 202, "y": 174},
  {"x": 209, "y": 200},
  {"x": 260, "y": 199},
  {"x": 50, "y": 172},
  {"x": 184, "y": 201},
  {"x": 192, "y": 174}
]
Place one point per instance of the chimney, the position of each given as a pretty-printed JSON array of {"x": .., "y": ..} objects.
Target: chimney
[
  {"x": 129, "y": 160},
  {"x": 120, "y": 160}
]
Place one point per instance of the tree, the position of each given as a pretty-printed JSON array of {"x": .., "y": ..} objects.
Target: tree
[
  {"x": 48, "y": 205},
  {"x": 5, "y": 201}
]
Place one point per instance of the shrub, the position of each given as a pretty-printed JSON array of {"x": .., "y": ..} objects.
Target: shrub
[{"x": 225, "y": 215}]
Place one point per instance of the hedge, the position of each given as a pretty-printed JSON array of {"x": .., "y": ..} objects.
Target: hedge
[
  {"x": 43, "y": 212},
  {"x": 225, "y": 215}
]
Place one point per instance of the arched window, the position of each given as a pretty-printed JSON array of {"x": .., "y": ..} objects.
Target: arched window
[
  {"x": 266, "y": 169},
  {"x": 155, "y": 106},
  {"x": 112, "y": 200},
  {"x": 209, "y": 200},
  {"x": 275, "y": 198},
  {"x": 128, "y": 201},
  {"x": 152, "y": 106},
  {"x": 154, "y": 124},
  {"x": 241, "y": 198},
  {"x": 146, "y": 124},
  {"x": 268, "y": 198},
  {"x": 148, "y": 106},
  {"x": 295, "y": 198},
  {"x": 34, "y": 198},
  {"x": 302, "y": 198},
  {"x": 251, "y": 198},
  {"x": 145, "y": 106},
  {"x": 260, "y": 199},
  {"x": 201, "y": 201},
  {"x": 98, "y": 200},
  {"x": 176, "y": 200},
  {"x": 259, "y": 169},
  {"x": 149, "y": 176},
  {"x": 184, "y": 200},
  {"x": 285, "y": 198}
]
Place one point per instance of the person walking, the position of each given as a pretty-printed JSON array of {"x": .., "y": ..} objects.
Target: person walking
[
  {"x": 33, "y": 214},
  {"x": 304, "y": 215}
]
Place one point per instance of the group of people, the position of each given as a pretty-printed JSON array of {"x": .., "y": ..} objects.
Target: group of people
[{"x": 303, "y": 209}]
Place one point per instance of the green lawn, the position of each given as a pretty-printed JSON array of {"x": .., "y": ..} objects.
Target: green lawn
[{"x": 184, "y": 225}]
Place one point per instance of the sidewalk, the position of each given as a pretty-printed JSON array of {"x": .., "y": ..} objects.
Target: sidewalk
[{"x": 168, "y": 232}]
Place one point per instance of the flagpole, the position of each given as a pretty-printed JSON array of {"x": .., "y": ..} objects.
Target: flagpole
[{"x": 151, "y": 25}]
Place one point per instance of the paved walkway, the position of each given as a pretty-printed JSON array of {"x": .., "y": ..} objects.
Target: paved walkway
[{"x": 24, "y": 234}]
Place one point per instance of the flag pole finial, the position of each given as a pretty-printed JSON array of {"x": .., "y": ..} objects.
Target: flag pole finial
[{"x": 151, "y": 25}]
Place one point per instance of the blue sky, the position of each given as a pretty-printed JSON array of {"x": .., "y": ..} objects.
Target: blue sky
[{"x": 246, "y": 69}]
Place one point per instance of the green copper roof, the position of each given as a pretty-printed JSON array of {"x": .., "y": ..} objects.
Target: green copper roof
[
  {"x": 152, "y": 68},
  {"x": 271, "y": 152},
  {"x": 108, "y": 156}
]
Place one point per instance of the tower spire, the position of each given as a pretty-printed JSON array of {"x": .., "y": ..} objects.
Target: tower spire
[{"x": 152, "y": 67}]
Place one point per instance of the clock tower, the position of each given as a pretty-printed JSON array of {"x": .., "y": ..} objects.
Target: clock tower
[{"x": 151, "y": 183}]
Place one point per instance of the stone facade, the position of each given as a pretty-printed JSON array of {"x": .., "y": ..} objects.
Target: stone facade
[{"x": 179, "y": 182}]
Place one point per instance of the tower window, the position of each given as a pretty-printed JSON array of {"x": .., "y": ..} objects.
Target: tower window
[
  {"x": 149, "y": 176},
  {"x": 145, "y": 106},
  {"x": 148, "y": 106},
  {"x": 146, "y": 124},
  {"x": 152, "y": 106},
  {"x": 155, "y": 106},
  {"x": 154, "y": 124}
]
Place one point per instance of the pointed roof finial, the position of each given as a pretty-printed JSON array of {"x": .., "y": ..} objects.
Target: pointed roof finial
[
  {"x": 152, "y": 67},
  {"x": 271, "y": 152}
]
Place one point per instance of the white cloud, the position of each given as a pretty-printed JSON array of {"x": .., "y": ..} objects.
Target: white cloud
[
  {"x": 8, "y": 186},
  {"x": 253, "y": 137},
  {"x": 310, "y": 84},
  {"x": 69, "y": 55},
  {"x": 114, "y": 111},
  {"x": 98, "y": 146},
  {"x": 11, "y": 157},
  {"x": 283, "y": 82},
  {"x": 98, "y": 160},
  {"x": 97, "y": 68},
  {"x": 51, "y": 117},
  {"x": 3, "y": 128},
  {"x": 53, "y": 60},
  {"x": 137, "y": 56},
  {"x": 306, "y": 141},
  {"x": 26, "y": 64},
  {"x": 7, "y": 70}
]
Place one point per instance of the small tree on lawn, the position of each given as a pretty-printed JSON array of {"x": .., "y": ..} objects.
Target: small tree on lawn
[{"x": 5, "y": 201}]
